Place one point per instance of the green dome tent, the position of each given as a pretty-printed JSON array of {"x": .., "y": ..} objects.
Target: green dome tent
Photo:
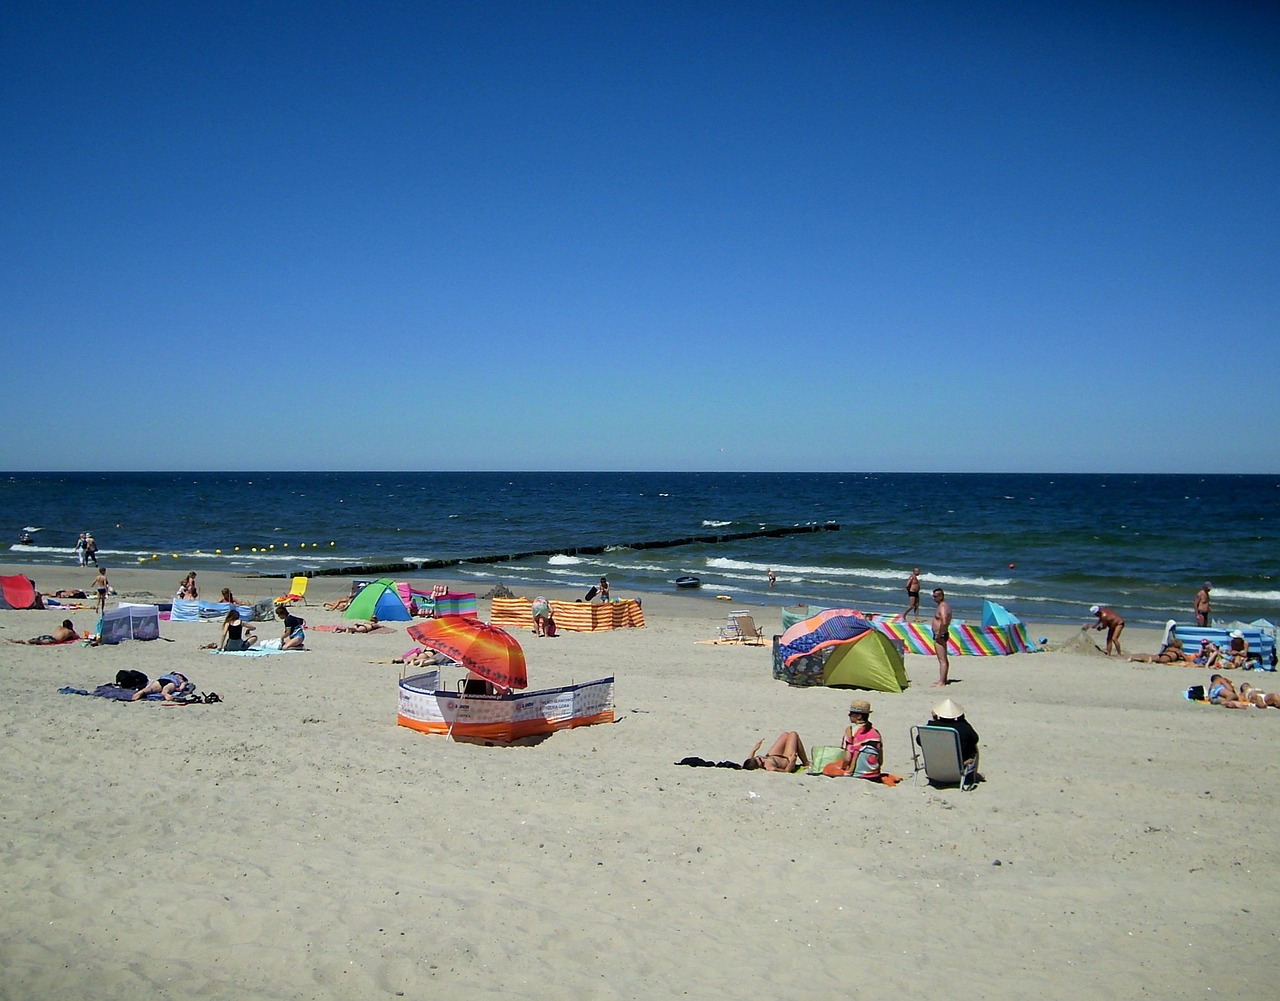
[
  {"x": 871, "y": 662},
  {"x": 378, "y": 598}
]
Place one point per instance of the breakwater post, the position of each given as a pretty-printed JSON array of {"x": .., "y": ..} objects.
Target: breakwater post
[{"x": 378, "y": 569}]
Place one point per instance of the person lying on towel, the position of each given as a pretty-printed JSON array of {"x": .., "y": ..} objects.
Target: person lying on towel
[
  {"x": 65, "y": 633},
  {"x": 168, "y": 686},
  {"x": 360, "y": 627}
]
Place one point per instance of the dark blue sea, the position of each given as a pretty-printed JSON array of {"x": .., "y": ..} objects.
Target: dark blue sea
[{"x": 1046, "y": 546}]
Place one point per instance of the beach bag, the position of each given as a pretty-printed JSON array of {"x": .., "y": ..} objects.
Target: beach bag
[
  {"x": 820, "y": 757},
  {"x": 132, "y": 680}
]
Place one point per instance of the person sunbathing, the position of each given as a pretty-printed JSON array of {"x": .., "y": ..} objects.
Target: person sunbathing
[
  {"x": 360, "y": 627},
  {"x": 1259, "y": 698},
  {"x": 167, "y": 685},
  {"x": 785, "y": 755},
  {"x": 426, "y": 658},
  {"x": 65, "y": 633},
  {"x": 1170, "y": 653},
  {"x": 1221, "y": 692},
  {"x": 341, "y": 605},
  {"x": 67, "y": 593}
]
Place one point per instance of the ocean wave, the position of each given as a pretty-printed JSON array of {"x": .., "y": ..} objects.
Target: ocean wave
[
  {"x": 561, "y": 560},
  {"x": 833, "y": 575},
  {"x": 708, "y": 523},
  {"x": 1231, "y": 592}
]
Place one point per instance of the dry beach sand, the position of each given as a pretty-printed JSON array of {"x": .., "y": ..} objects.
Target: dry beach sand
[{"x": 293, "y": 842}]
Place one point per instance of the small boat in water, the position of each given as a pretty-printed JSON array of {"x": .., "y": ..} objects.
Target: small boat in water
[{"x": 688, "y": 581}]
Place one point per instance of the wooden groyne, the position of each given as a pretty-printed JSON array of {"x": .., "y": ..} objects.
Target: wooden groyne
[{"x": 379, "y": 569}]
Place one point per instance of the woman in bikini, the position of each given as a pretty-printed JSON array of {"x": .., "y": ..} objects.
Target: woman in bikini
[
  {"x": 1172, "y": 653},
  {"x": 786, "y": 754},
  {"x": 1259, "y": 698},
  {"x": 360, "y": 627}
]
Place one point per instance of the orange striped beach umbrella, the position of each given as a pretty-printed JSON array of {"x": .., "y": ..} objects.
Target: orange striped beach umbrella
[{"x": 488, "y": 651}]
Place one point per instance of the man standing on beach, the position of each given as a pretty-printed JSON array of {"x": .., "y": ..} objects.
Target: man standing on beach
[
  {"x": 1202, "y": 607},
  {"x": 941, "y": 633},
  {"x": 913, "y": 594}
]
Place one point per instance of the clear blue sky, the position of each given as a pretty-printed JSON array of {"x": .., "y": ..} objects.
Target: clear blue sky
[{"x": 734, "y": 235}]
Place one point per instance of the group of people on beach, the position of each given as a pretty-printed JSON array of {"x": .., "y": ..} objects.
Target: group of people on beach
[
  {"x": 86, "y": 550},
  {"x": 1223, "y": 692},
  {"x": 940, "y": 625},
  {"x": 1234, "y": 656},
  {"x": 861, "y": 746}
]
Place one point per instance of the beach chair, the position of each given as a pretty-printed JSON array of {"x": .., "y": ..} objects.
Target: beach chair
[
  {"x": 935, "y": 751},
  {"x": 297, "y": 592},
  {"x": 749, "y": 632},
  {"x": 731, "y": 632}
]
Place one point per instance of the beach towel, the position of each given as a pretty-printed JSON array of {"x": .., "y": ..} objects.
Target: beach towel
[
  {"x": 119, "y": 694},
  {"x": 704, "y": 763},
  {"x": 255, "y": 651},
  {"x": 379, "y": 628},
  {"x": 836, "y": 770}
]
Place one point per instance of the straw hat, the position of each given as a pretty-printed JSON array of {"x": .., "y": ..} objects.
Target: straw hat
[
  {"x": 946, "y": 709},
  {"x": 860, "y": 706}
]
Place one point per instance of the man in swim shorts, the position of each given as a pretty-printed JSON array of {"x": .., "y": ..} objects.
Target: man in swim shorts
[
  {"x": 1202, "y": 607},
  {"x": 913, "y": 594},
  {"x": 65, "y": 633},
  {"x": 941, "y": 633},
  {"x": 1111, "y": 622}
]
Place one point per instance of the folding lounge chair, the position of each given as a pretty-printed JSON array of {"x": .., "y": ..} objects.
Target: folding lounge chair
[
  {"x": 297, "y": 592},
  {"x": 731, "y": 631},
  {"x": 935, "y": 750},
  {"x": 748, "y": 631}
]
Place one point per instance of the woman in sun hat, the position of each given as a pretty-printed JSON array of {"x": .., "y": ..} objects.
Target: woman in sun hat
[{"x": 861, "y": 742}]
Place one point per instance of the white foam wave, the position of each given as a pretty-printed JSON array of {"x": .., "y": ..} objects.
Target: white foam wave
[
  {"x": 561, "y": 560},
  {"x": 842, "y": 574},
  {"x": 708, "y": 523},
  {"x": 1230, "y": 592},
  {"x": 32, "y": 528}
]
